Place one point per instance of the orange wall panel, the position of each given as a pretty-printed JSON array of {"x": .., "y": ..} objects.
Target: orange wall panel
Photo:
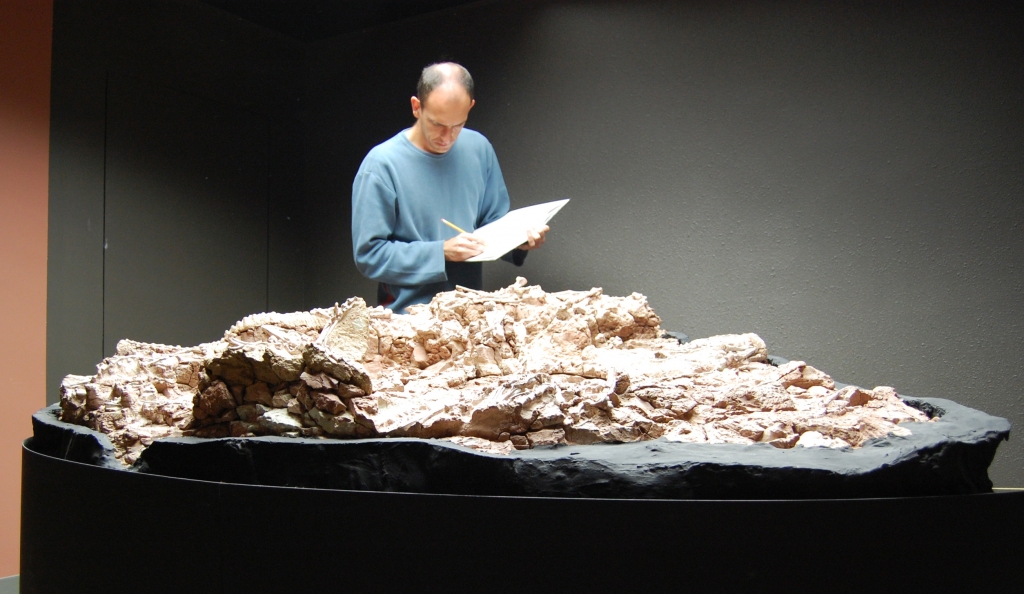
[{"x": 25, "y": 39}]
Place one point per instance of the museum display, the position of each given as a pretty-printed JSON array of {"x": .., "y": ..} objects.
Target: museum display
[{"x": 527, "y": 384}]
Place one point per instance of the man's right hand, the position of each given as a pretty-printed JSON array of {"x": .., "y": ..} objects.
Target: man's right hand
[{"x": 462, "y": 247}]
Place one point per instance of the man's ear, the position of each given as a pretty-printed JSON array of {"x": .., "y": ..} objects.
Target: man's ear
[{"x": 415, "y": 106}]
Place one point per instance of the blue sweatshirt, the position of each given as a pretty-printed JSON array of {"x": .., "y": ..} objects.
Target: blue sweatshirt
[{"x": 399, "y": 196}]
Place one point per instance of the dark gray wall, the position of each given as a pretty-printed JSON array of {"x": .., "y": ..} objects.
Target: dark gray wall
[
  {"x": 175, "y": 177},
  {"x": 185, "y": 214},
  {"x": 844, "y": 179}
]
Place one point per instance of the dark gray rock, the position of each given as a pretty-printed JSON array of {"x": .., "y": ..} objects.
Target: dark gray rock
[
  {"x": 949, "y": 456},
  {"x": 53, "y": 437}
]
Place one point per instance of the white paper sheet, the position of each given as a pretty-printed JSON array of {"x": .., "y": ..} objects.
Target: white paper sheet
[{"x": 509, "y": 232}]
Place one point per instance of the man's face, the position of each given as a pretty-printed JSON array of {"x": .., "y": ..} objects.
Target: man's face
[{"x": 441, "y": 117}]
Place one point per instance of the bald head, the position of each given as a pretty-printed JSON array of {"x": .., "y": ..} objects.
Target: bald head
[
  {"x": 444, "y": 96},
  {"x": 447, "y": 75}
]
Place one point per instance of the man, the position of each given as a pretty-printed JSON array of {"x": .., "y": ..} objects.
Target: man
[{"x": 435, "y": 169}]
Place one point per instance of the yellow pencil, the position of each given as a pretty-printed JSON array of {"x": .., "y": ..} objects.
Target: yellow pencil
[{"x": 453, "y": 226}]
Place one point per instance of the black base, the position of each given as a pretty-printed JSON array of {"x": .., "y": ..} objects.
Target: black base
[
  {"x": 86, "y": 528},
  {"x": 948, "y": 457}
]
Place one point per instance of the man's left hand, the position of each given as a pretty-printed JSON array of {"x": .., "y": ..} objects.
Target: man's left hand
[{"x": 535, "y": 238}]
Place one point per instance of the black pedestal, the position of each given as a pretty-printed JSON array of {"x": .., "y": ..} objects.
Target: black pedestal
[{"x": 91, "y": 529}]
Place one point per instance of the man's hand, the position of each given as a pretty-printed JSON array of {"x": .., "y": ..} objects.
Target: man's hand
[
  {"x": 535, "y": 238},
  {"x": 462, "y": 247}
]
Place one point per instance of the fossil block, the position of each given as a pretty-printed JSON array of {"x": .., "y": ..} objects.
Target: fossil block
[{"x": 507, "y": 370}]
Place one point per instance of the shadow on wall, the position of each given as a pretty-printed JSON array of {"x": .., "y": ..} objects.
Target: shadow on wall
[
  {"x": 185, "y": 215},
  {"x": 175, "y": 182}
]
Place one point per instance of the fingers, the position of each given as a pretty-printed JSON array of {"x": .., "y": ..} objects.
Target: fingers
[
  {"x": 462, "y": 247},
  {"x": 535, "y": 238},
  {"x": 473, "y": 239}
]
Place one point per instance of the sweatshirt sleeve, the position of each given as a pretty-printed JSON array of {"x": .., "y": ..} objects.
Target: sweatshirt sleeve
[
  {"x": 377, "y": 255},
  {"x": 495, "y": 202}
]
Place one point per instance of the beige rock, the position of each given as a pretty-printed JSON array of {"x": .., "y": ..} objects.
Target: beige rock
[
  {"x": 801, "y": 375},
  {"x": 511, "y": 369},
  {"x": 143, "y": 392},
  {"x": 484, "y": 445},
  {"x": 520, "y": 442},
  {"x": 814, "y": 439},
  {"x": 776, "y": 430},
  {"x": 546, "y": 437},
  {"x": 682, "y": 431},
  {"x": 785, "y": 442},
  {"x": 250, "y": 413},
  {"x": 345, "y": 335},
  {"x": 319, "y": 381},
  {"x": 74, "y": 397},
  {"x": 340, "y": 425},
  {"x": 511, "y": 407},
  {"x": 279, "y": 421},
  {"x": 350, "y": 372},
  {"x": 281, "y": 399}
]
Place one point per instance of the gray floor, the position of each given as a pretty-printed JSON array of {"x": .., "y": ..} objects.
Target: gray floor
[{"x": 9, "y": 585}]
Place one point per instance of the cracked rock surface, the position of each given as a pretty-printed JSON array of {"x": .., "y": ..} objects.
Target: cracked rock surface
[{"x": 496, "y": 371}]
